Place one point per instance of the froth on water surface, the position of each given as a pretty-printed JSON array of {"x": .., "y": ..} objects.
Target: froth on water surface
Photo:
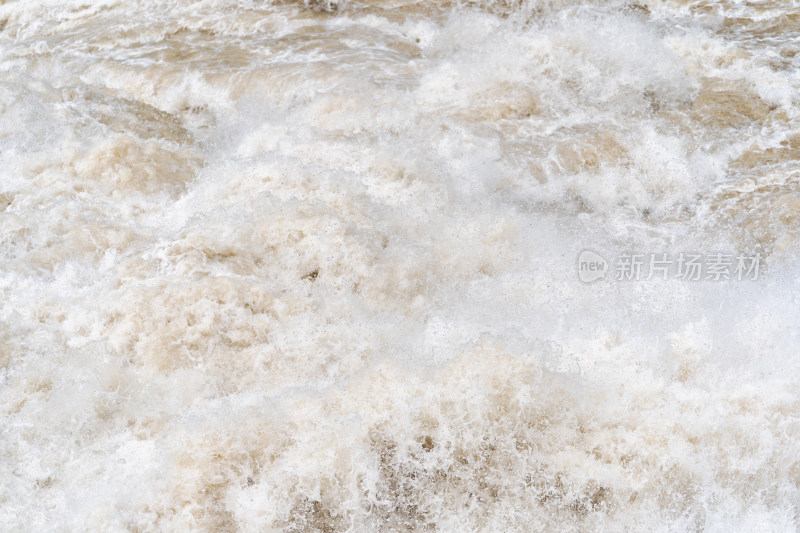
[{"x": 311, "y": 266}]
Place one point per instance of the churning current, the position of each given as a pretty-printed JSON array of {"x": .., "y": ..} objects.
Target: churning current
[{"x": 399, "y": 265}]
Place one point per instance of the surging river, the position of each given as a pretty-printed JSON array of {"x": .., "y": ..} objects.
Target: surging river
[{"x": 273, "y": 266}]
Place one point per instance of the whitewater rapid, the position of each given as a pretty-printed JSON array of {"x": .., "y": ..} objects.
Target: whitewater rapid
[{"x": 275, "y": 266}]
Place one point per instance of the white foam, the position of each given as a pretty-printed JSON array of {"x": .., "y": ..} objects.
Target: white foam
[{"x": 268, "y": 268}]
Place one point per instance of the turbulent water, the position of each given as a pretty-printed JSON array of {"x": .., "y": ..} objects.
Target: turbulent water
[{"x": 274, "y": 266}]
